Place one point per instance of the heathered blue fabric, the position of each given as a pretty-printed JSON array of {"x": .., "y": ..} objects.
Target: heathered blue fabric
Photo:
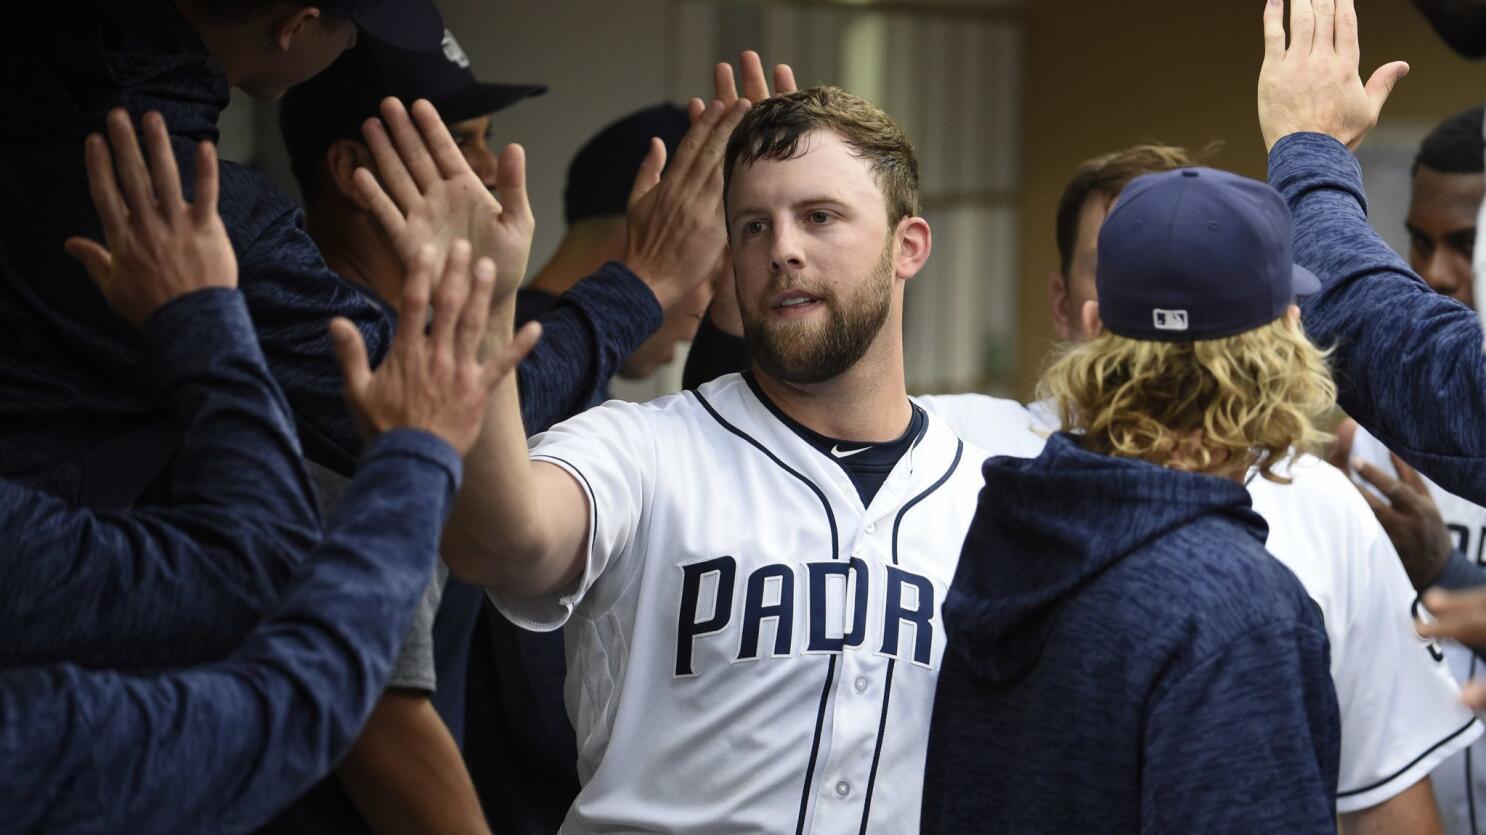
[
  {"x": 221, "y": 746},
  {"x": 179, "y": 584},
  {"x": 73, "y": 376},
  {"x": 1408, "y": 361},
  {"x": 1124, "y": 656}
]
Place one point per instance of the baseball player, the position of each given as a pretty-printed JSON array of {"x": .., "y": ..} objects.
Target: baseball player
[
  {"x": 1448, "y": 187},
  {"x": 1124, "y": 655},
  {"x": 749, "y": 576},
  {"x": 1400, "y": 714}
]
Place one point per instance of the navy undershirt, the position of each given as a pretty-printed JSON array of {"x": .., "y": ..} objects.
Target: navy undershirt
[{"x": 867, "y": 465}]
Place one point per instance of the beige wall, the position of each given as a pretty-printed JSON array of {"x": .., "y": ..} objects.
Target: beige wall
[{"x": 1103, "y": 75}]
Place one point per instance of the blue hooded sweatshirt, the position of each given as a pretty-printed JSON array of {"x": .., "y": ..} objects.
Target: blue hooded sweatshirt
[{"x": 1124, "y": 656}]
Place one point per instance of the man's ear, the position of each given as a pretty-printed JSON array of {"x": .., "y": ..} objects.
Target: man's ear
[
  {"x": 914, "y": 240},
  {"x": 1058, "y": 300},
  {"x": 291, "y": 25},
  {"x": 342, "y": 159},
  {"x": 1090, "y": 314}
]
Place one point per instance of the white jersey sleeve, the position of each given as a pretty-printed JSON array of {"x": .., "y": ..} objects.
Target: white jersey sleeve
[
  {"x": 609, "y": 450},
  {"x": 1401, "y": 713}
]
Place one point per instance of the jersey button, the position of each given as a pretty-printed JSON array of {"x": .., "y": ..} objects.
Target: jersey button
[
  {"x": 861, "y": 684},
  {"x": 872, "y": 528},
  {"x": 843, "y": 788}
]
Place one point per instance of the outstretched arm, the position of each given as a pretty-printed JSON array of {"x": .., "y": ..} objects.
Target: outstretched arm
[
  {"x": 520, "y": 525},
  {"x": 1408, "y": 362},
  {"x": 178, "y": 584},
  {"x": 250, "y": 733},
  {"x": 246, "y": 735}
]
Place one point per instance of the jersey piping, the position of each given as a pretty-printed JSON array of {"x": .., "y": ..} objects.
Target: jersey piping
[
  {"x": 825, "y": 693},
  {"x": 892, "y": 663},
  {"x": 1415, "y": 761}
]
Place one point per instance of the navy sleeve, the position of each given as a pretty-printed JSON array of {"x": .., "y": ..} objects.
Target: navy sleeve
[
  {"x": 225, "y": 745},
  {"x": 293, "y": 296},
  {"x": 1460, "y": 573},
  {"x": 714, "y": 352},
  {"x": 177, "y": 584},
  {"x": 1408, "y": 362},
  {"x": 1247, "y": 740},
  {"x": 585, "y": 338}
]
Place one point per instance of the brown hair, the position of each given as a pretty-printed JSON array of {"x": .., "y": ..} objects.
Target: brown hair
[
  {"x": 773, "y": 129},
  {"x": 1106, "y": 176},
  {"x": 1253, "y": 399}
]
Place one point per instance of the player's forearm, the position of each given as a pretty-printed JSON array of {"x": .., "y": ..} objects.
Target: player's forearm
[
  {"x": 405, "y": 774},
  {"x": 502, "y": 531},
  {"x": 1400, "y": 352}
]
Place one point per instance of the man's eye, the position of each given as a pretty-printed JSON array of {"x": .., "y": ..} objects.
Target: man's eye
[
  {"x": 753, "y": 227},
  {"x": 820, "y": 216}
]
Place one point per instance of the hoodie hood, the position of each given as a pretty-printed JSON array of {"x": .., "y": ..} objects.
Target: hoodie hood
[
  {"x": 1047, "y": 526},
  {"x": 64, "y": 64}
]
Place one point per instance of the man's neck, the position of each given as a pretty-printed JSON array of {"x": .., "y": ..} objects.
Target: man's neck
[
  {"x": 360, "y": 256},
  {"x": 585, "y": 247},
  {"x": 867, "y": 403}
]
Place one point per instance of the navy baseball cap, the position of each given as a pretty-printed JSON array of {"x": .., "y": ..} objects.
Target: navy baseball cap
[
  {"x": 409, "y": 24},
  {"x": 334, "y": 104},
  {"x": 1195, "y": 254},
  {"x": 602, "y": 173}
]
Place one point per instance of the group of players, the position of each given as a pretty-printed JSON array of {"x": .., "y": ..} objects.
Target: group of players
[{"x": 239, "y": 450}]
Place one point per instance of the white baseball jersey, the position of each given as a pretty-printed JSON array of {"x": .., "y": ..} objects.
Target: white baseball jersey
[
  {"x": 1459, "y": 781},
  {"x": 749, "y": 648},
  {"x": 1401, "y": 713}
]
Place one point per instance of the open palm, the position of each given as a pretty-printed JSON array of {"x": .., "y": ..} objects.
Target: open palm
[{"x": 427, "y": 194}]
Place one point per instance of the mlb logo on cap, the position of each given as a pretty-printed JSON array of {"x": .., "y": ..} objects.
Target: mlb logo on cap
[
  {"x": 1196, "y": 254},
  {"x": 1170, "y": 320}
]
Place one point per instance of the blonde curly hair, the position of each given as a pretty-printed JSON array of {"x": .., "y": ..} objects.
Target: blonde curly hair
[{"x": 1256, "y": 398}]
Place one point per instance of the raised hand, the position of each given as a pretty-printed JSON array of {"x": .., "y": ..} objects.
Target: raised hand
[
  {"x": 724, "y": 311},
  {"x": 1313, "y": 84},
  {"x": 157, "y": 246},
  {"x": 428, "y": 194},
  {"x": 433, "y": 381},
  {"x": 676, "y": 233},
  {"x": 755, "y": 87}
]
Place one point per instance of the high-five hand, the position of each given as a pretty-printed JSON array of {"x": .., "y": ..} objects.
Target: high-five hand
[
  {"x": 433, "y": 381},
  {"x": 428, "y": 194},
  {"x": 1313, "y": 86},
  {"x": 755, "y": 86},
  {"x": 724, "y": 311},
  {"x": 676, "y": 236},
  {"x": 158, "y": 246}
]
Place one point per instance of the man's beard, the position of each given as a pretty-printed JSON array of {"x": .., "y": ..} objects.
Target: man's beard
[{"x": 802, "y": 353}]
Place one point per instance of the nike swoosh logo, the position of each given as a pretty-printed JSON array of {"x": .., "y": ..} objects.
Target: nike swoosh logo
[{"x": 836, "y": 451}]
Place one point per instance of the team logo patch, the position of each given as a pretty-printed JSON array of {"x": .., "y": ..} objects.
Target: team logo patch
[
  {"x": 454, "y": 52},
  {"x": 1170, "y": 320}
]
